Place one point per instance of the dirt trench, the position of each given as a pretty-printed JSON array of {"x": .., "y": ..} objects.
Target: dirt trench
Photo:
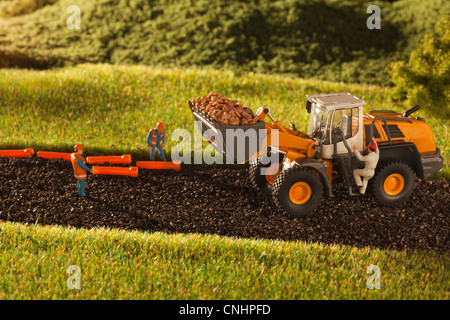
[{"x": 216, "y": 201}]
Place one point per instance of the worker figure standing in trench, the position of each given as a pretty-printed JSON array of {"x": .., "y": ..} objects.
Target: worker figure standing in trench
[
  {"x": 79, "y": 168},
  {"x": 371, "y": 160},
  {"x": 155, "y": 139}
]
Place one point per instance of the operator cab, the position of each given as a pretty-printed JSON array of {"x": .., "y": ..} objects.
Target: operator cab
[{"x": 336, "y": 123}]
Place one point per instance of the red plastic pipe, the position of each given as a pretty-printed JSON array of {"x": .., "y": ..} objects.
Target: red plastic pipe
[
  {"x": 159, "y": 165},
  {"x": 125, "y": 159},
  {"x": 24, "y": 153},
  {"x": 117, "y": 171},
  {"x": 53, "y": 155}
]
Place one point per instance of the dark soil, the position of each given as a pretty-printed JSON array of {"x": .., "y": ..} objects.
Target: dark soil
[{"x": 216, "y": 201}]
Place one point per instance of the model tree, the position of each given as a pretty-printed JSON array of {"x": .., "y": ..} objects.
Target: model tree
[{"x": 425, "y": 78}]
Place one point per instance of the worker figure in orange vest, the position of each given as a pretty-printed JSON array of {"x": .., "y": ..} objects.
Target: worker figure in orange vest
[
  {"x": 79, "y": 168},
  {"x": 156, "y": 138}
]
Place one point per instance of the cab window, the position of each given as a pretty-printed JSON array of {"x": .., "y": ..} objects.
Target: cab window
[
  {"x": 355, "y": 121},
  {"x": 347, "y": 120}
]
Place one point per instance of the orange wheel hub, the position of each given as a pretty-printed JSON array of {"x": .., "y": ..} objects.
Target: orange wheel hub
[
  {"x": 270, "y": 179},
  {"x": 271, "y": 173},
  {"x": 300, "y": 192},
  {"x": 394, "y": 184}
]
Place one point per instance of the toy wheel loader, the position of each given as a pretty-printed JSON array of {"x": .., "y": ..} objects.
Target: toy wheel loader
[{"x": 297, "y": 168}]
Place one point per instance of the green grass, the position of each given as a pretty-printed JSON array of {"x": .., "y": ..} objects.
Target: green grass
[
  {"x": 109, "y": 109},
  {"x": 133, "y": 265},
  {"x": 321, "y": 39}
]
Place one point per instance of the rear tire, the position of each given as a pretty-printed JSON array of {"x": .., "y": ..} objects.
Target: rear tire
[
  {"x": 393, "y": 183},
  {"x": 260, "y": 181},
  {"x": 297, "y": 191}
]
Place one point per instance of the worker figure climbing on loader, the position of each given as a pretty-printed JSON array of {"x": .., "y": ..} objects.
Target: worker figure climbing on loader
[
  {"x": 371, "y": 160},
  {"x": 156, "y": 139},
  {"x": 79, "y": 168}
]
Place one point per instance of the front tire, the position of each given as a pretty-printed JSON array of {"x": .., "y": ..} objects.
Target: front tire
[
  {"x": 297, "y": 191},
  {"x": 393, "y": 183},
  {"x": 260, "y": 181}
]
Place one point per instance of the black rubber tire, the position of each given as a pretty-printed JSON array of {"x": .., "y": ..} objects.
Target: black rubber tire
[
  {"x": 385, "y": 169},
  {"x": 258, "y": 180},
  {"x": 285, "y": 180}
]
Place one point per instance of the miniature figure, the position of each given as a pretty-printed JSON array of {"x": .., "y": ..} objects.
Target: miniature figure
[
  {"x": 79, "y": 168},
  {"x": 371, "y": 160},
  {"x": 156, "y": 138}
]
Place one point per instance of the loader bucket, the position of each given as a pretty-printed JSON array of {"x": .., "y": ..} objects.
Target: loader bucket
[{"x": 237, "y": 143}]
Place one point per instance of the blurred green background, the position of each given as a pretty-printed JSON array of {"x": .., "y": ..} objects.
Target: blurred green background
[{"x": 320, "y": 39}]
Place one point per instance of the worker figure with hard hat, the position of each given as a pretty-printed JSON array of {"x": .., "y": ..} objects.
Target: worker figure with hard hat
[
  {"x": 371, "y": 160},
  {"x": 79, "y": 168},
  {"x": 155, "y": 139}
]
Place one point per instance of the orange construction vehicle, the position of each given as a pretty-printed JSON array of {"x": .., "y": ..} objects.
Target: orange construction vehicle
[{"x": 306, "y": 165}]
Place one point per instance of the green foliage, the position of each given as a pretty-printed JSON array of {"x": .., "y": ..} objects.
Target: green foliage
[
  {"x": 117, "y": 264},
  {"x": 425, "y": 78},
  {"x": 111, "y": 108},
  {"x": 321, "y": 39},
  {"x": 12, "y": 8}
]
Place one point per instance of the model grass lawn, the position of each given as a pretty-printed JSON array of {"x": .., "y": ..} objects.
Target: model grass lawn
[
  {"x": 117, "y": 264},
  {"x": 111, "y": 108},
  {"x": 49, "y": 110}
]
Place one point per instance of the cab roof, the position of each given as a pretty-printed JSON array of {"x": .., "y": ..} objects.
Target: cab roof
[{"x": 333, "y": 101}]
